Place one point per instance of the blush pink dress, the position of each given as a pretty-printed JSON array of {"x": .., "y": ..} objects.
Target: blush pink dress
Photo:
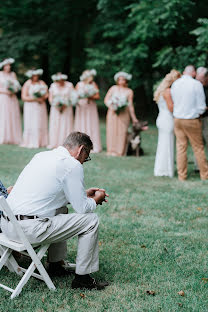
[
  {"x": 87, "y": 119},
  {"x": 10, "y": 118},
  {"x": 35, "y": 133},
  {"x": 117, "y": 127},
  {"x": 60, "y": 123}
]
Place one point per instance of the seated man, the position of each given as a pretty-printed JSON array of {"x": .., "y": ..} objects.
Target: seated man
[{"x": 51, "y": 180}]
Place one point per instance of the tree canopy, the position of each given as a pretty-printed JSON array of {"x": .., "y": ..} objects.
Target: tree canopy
[{"x": 145, "y": 37}]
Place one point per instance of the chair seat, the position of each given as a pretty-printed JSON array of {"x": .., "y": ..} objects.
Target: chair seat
[{"x": 4, "y": 241}]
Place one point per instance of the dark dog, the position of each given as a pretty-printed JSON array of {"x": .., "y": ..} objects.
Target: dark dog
[{"x": 133, "y": 146}]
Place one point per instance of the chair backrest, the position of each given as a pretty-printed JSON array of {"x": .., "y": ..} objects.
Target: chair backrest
[{"x": 8, "y": 212}]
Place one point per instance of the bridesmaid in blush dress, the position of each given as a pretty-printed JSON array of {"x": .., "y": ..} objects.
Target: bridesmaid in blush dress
[
  {"x": 61, "y": 115},
  {"x": 10, "y": 119},
  {"x": 164, "y": 160},
  {"x": 119, "y": 100},
  {"x": 86, "y": 115},
  {"x": 34, "y": 95}
]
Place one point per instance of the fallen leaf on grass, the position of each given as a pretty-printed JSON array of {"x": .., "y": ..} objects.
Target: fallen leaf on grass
[
  {"x": 43, "y": 300},
  {"x": 82, "y": 295},
  {"x": 181, "y": 293},
  {"x": 139, "y": 212},
  {"x": 100, "y": 244},
  {"x": 200, "y": 209},
  {"x": 205, "y": 279},
  {"x": 150, "y": 292}
]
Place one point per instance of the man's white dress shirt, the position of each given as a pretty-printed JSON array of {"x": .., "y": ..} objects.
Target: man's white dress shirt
[
  {"x": 188, "y": 98},
  {"x": 51, "y": 180}
]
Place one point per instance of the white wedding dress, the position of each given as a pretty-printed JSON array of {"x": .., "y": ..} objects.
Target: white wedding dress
[{"x": 164, "y": 161}]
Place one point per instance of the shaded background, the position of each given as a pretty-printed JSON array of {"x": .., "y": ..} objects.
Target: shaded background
[{"x": 146, "y": 38}]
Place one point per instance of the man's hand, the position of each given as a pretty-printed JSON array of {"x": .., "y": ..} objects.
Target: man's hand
[
  {"x": 98, "y": 195},
  {"x": 9, "y": 189},
  {"x": 91, "y": 192}
]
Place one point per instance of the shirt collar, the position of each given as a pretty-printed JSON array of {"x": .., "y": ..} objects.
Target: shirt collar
[
  {"x": 63, "y": 151},
  {"x": 187, "y": 76}
]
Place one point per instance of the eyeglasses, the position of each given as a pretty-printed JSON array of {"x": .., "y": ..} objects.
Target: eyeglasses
[{"x": 88, "y": 158}]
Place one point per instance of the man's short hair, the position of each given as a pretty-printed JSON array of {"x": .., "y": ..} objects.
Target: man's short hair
[
  {"x": 202, "y": 71},
  {"x": 77, "y": 139},
  {"x": 189, "y": 69}
]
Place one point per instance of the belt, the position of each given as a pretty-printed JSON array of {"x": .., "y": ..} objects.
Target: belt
[{"x": 20, "y": 217}]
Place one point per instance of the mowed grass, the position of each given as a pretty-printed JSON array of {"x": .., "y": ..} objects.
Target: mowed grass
[{"x": 153, "y": 237}]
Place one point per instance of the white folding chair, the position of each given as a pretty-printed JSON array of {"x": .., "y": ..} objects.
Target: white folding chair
[{"x": 7, "y": 259}]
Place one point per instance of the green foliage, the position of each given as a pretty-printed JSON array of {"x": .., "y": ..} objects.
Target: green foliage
[{"x": 146, "y": 38}]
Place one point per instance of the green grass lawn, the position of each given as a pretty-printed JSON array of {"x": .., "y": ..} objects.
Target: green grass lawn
[{"x": 153, "y": 237}]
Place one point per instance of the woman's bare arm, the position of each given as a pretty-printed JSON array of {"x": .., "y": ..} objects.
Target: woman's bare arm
[
  {"x": 108, "y": 96},
  {"x": 25, "y": 95},
  {"x": 168, "y": 99}
]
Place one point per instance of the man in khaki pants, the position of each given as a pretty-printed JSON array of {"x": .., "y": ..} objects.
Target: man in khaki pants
[
  {"x": 189, "y": 103},
  {"x": 50, "y": 181}
]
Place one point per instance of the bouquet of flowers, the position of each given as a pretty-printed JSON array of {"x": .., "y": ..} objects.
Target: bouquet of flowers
[
  {"x": 118, "y": 103},
  {"x": 60, "y": 102},
  {"x": 13, "y": 86},
  {"x": 39, "y": 90},
  {"x": 88, "y": 91},
  {"x": 73, "y": 99}
]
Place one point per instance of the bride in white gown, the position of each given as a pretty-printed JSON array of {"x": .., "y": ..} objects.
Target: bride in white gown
[{"x": 164, "y": 161}]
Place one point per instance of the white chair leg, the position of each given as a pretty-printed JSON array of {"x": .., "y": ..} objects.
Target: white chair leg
[
  {"x": 11, "y": 263},
  {"x": 5, "y": 255},
  {"x": 13, "y": 266},
  {"x": 30, "y": 271},
  {"x": 41, "y": 268}
]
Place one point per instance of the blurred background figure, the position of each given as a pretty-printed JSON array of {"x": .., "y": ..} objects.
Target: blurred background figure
[
  {"x": 86, "y": 115},
  {"x": 119, "y": 100},
  {"x": 164, "y": 161},
  {"x": 202, "y": 76},
  {"x": 189, "y": 104},
  {"x": 61, "y": 98},
  {"x": 10, "y": 120},
  {"x": 34, "y": 95}
]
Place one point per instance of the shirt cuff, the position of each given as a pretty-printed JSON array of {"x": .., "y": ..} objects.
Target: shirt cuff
[{"x": 92, "y": 204}]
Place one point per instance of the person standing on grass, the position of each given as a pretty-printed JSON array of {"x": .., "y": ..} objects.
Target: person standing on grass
[
  {"x": 164, "y": 160},
  {"x": 50, "y": 181},
  {"x": 61, "y": 121},
  {"x": 202, "y": 76},
  {"x": 189, "y": 104},
  {"x": 10, "y": 118},
  {"x": 119, "y": 100},
  {"x": 34, "y": 95},
  {"x": 86, "y": 114}
]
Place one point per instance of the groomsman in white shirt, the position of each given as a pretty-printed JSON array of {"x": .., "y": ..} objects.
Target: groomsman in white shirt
[
  {"x": 189, "y": 104},
  {"x": 50, "y": 181}
]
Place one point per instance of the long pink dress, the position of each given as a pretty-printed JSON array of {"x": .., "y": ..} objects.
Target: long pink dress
[
  {"x": 10, "y": 118},
  {"x": 35, "y": 133},
  {"x": 60, "y": 123},
  {"x": 87, "y": 119},
  {"x": 117, "y": 126}
]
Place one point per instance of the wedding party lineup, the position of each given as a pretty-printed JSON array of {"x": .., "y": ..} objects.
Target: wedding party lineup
[{"x": 38, "y": 204}]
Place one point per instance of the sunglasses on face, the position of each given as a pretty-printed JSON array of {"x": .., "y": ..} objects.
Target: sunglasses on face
[{"x": 88, "y": 158}]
